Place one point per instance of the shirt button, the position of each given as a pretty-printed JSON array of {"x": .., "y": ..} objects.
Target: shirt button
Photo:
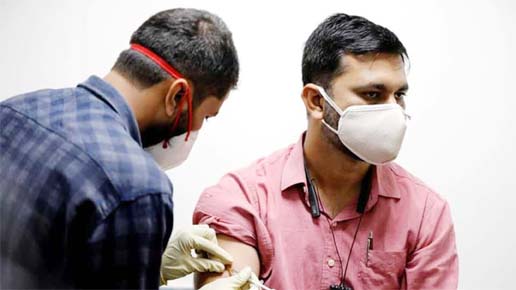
[
  {"x": 334, "y": 224},
  {"x": 331, "y": 263}
]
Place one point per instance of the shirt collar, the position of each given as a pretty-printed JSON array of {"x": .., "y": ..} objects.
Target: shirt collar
[
  {"x": 294, "y": 169},
  {"x": 384, "y": 181},
  {"x": 104, "y": 91}
]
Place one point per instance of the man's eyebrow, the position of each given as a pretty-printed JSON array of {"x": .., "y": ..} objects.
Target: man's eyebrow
[
  {"x": 381, "y": 87},
  {"x": 404, "y": 88}
]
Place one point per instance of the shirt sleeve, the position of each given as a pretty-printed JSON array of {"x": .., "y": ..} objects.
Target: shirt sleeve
[
  {"x": 434, "y": 262},
  {"x": 124, "y": 250},
  {"x": 231, "y": 208}
]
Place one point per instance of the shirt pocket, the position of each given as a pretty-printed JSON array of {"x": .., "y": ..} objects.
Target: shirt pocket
[{"x": 383, "y": 269}]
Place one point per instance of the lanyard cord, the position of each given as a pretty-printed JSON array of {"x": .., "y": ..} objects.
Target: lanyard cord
[
  {"x": 343, "y": 270},
  {"x": 362, "y": 202},
  {"x": 350, "y": 249}
]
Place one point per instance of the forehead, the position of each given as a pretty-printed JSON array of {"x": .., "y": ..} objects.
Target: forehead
[{"x": 378, "y": 68}]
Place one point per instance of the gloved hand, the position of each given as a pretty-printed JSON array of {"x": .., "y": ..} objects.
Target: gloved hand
[
  {"x": 239, "y": 281},
  {"x": 177, "y": 260}
]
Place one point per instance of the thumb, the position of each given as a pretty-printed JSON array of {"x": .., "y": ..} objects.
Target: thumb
[
  {"x": 242, "y": 277},
  {"x": 211, "y": 247}
]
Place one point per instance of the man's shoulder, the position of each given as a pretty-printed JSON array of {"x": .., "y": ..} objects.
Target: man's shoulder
[
  {"x": 252, "y": 181},
  {"x": 265, "y": 167},
  {"x": 413, "y": 188},
  {"x": 91, "y": 129},
  {"x": 72, "y": 113},
  {"x": 40, "y": 105}
]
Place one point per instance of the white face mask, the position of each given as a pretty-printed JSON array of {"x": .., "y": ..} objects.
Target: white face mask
[
  {"x": 176, "y": 153},
  {"x": 374, "y": 133}
]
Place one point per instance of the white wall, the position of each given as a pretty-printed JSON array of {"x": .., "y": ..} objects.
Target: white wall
[{"x": 461, "y": 140}]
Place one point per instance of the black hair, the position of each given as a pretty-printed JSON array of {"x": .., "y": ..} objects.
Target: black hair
[
  {"x": 342, "y": 34},
  {"x": 195, "y": 42}
]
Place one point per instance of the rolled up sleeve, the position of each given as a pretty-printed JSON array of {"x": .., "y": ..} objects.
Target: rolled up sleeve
[{"x": 231, "y": 208}]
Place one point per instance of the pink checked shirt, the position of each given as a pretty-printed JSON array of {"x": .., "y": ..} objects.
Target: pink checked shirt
[{"x": 266, "y": 206}]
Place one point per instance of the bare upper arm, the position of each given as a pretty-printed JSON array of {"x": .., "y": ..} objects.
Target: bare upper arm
[{"x": 243, "y": 255}]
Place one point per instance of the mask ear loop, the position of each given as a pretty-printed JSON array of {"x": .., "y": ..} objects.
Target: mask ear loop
[
  {"x": 330, "y": 101},
  {"x": 187, "y": 97},
  {"x": 173, "y": 72},
  {"x": 332, "y": 104}
]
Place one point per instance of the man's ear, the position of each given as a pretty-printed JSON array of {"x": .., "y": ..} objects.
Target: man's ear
[
  {"x": 176, "y": 91},
  {"x": 313, "y": 100}
]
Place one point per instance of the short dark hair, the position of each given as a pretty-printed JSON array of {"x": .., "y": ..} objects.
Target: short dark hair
[
  {"x": 342, "y": 34},
  {"x": 195, "y": 42}
]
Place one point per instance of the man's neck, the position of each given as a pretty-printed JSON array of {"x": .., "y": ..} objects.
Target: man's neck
[
  {"x": 338, "y": 176},
  {"x": 132, "y": 95}
]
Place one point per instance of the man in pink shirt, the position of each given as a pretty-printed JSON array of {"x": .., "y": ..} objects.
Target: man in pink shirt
[{"x": 332, "y": 211}]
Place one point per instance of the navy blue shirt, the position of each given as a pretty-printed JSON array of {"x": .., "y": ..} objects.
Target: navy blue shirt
[{"x": 82, "y": 205}]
